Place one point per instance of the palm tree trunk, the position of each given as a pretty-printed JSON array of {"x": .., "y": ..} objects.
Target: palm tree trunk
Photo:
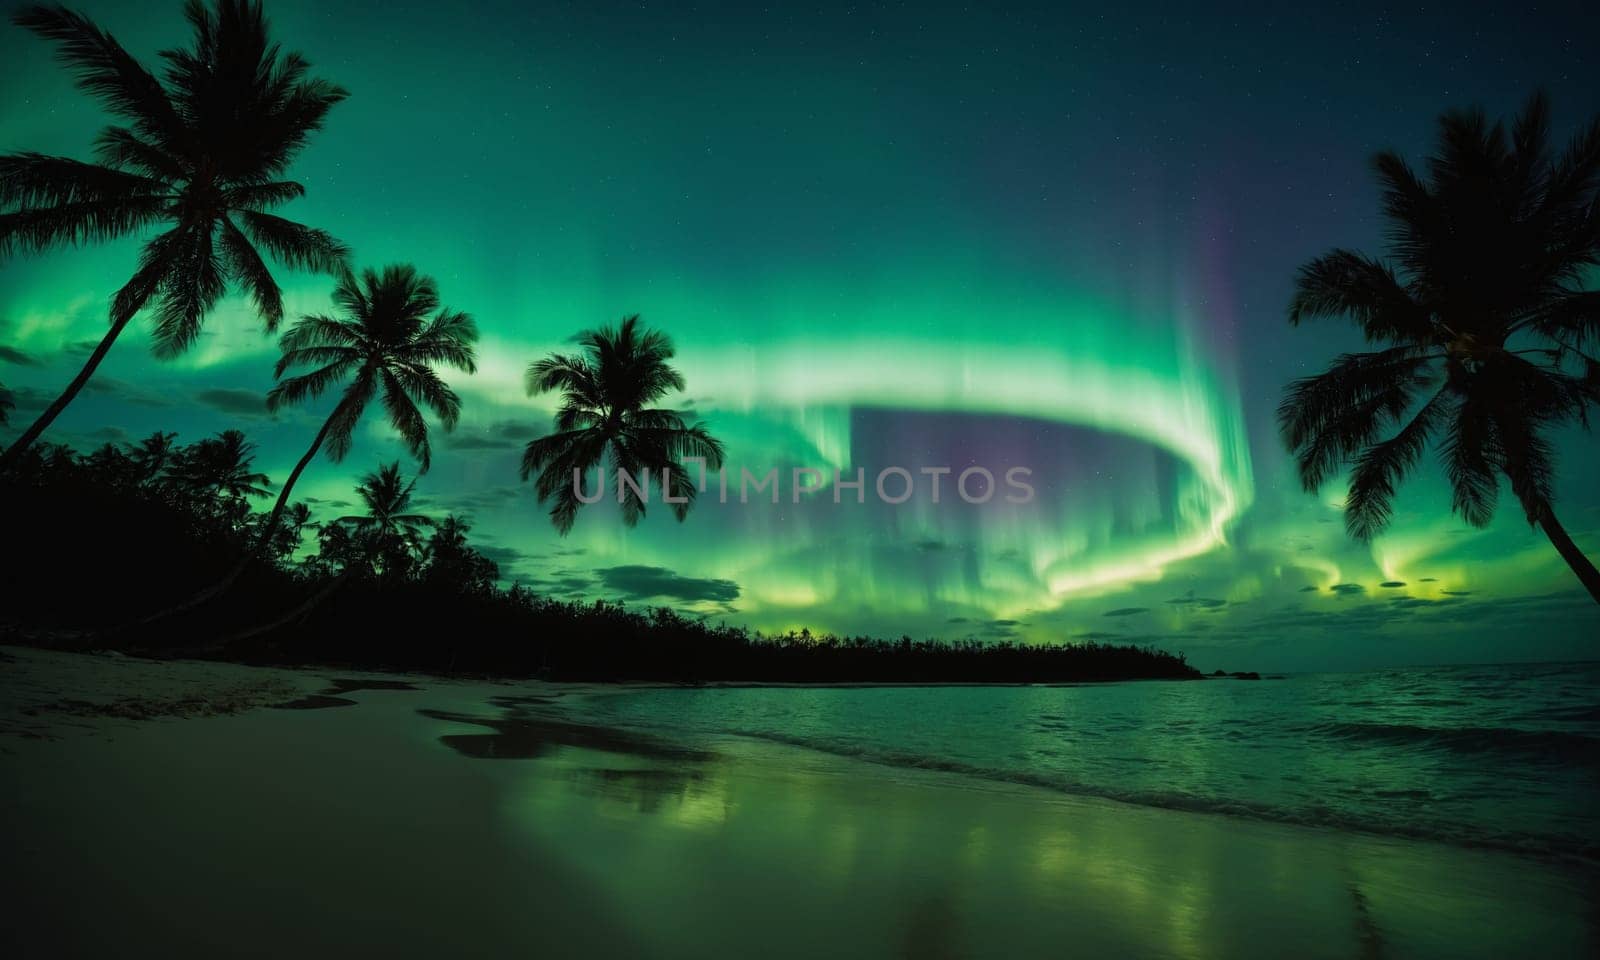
[
  {"x": 298, "y": 613},
  {"x": 13, "y": 453},
  {"x": 1580, "y": 564},
  {"x": 261, "y": 541}
]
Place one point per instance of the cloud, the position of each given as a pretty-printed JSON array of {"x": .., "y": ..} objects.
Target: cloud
[
  {"x": 505, "y": 435},
  {"x": 488, "y": 499},
  {"x": 127, "y": 392},
  {"x": 1206, "y": 603},
  {"x": 641, "y": 582},
  {"x": 1392, "y": 583},
  {"x": 1126, "y": 611},
  {"x": 504, "y": 557},
  {"x": 1308, "y": 589},
  {"x": 242, "y": 403},
  {"x": 1345, "y": 589},
  {"x": 13, "y": 355},
  {"x": 29, "y": 398},
  {"x": 476, "y": 442}
]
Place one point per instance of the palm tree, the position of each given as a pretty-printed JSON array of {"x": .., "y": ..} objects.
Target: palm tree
[
  {"x": 453, "y": 563},
  {"x": 220, "y": 473},
  {"x": 6, "y": 405},
  {"x": 391, "y": 534},
  {"x": 1484, "y": 325},
  {"x": 201, "y": 153},
  {"x": 223, "y": 467},
  {"x": 153, "y": 455},
  {"x": 605, "y": 391},
  {"x": 385, "y": 342},
  {"x": 385, "y": 540}
]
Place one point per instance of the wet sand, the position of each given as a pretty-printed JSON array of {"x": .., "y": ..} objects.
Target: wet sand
[{"x": 426, "y": 818}]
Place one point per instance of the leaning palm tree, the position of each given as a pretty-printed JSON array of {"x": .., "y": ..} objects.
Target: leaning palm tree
[
  {"x": 386, "y": 343},
  {"x": 201, "y": 155},
  {"x": 604, "y": 413},
  {"x": 1486, "y": 329}
]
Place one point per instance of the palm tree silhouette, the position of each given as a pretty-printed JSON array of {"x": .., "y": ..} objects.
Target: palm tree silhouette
[
  {"x": 384, "y": 342},
  {"x": 153, "y": 455},
  {"x": 603, "y": 413},
  {"x": 220, "y": 471},
  {"x": 202, "y": 153},
  {"x": 6, "y": 405},
  {"x": 1483, "y": 323},
  {"x": 391, "y": 535}
]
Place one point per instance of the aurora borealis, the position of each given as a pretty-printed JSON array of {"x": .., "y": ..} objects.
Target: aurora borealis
[{"x": 881, "y": 236}]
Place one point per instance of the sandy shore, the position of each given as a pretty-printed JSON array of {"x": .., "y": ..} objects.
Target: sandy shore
[{"x": 186, "y": 810}]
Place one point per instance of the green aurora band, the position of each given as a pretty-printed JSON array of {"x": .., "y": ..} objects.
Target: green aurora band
[{"x": 941, "y": 239}]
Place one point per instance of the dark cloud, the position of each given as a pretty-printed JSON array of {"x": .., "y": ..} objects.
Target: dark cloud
[
  {"x": 1205, "y": 603},
  {"x": 128, "y": 392},
  {"x": 504, "y": 557},
  {"x": 477, "y": 441},
  {"x": 489, "y": 499},
  {"x": 573, "y": 584},
  {"x": 1392, "y": 583},
  {"x": 109, "y": 434},
  {"x": 1345, "y": 589},
  {"x": 1126, "y": 611},
  {"x": 1308, "y": 589},
  {"x": 240, "y": 403},
  {"x": 641, "y": 582},
  {"x": 13, "y": 355},
  {"x": 505, "y": 435},
  {"x": 931, "y": 546},
  {"x": 1429, "y": 580},
  {"x": 30, "y": 398},
  {"x": 958, "y": 620}
]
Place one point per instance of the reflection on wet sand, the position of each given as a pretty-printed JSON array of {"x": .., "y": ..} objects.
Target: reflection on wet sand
[
  {"x": 765, "y": 849},
  {"x": 521, "y": 735},
  {"x": 381, "y": 829}
]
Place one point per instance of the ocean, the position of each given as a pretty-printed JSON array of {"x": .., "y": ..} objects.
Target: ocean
[{"x": 1503, "y": 756}]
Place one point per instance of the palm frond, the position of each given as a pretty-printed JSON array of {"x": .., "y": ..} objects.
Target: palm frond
[
  {"x": 188, "y": 293},
  {"x": 1344, "y": 283},
  {"x": 293, "y": 244},
  {"x": 105, "y": 70},
  {"x": 406, "y": 419},
  {"x": 1380, "y": 467},
  {"x": 36, "y": 230},
  {"x": 245, "y": 264},
  {"x": 37, "y": 180}
]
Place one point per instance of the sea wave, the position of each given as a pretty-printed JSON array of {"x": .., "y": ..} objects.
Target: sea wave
[
  {"x": 1559, "y": 847},
  {"x": 1555, "y": 746}
]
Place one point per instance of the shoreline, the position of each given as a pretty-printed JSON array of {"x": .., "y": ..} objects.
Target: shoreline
[
  {"x": 419, "y": 817},
  {"x": 314, "y": 686}
]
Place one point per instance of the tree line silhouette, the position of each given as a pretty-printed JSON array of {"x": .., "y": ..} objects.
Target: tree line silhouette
[{"x": 122, "y": 529}]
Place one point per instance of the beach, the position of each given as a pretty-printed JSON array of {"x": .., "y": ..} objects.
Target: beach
[{"x": 258, "y": 812}]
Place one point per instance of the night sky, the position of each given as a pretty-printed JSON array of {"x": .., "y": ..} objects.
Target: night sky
[{"x": 1059, "y": 240}]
